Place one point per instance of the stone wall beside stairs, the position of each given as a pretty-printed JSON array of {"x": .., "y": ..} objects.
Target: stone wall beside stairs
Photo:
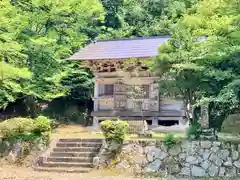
[
  {"x": 14, "y": 150},
  {"x": 195, "y": 158}
]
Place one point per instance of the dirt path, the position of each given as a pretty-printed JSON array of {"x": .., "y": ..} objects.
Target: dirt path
[{"x": 21, "y": 173}]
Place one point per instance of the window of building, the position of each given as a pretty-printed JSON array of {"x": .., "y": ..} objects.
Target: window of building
[
  {"x": 120, "y": 104},
  {"x": 106, "y": 89},
  {"x": 168, "y": 122}
]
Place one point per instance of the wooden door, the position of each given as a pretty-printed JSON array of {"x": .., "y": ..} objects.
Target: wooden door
[{"x": 120, "y": 96}]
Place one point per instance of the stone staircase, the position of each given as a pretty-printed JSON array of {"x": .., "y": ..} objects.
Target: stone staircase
[
  {"x": 69, "y": 155},
  {"x": 208, "y": 134}
]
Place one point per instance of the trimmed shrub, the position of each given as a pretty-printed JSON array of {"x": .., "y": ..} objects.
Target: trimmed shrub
[
  {"x": 16, "y": 126},
  {"x": 114, "y": 130},
  {"x": 22, "y": 127},
  {"x": 42, "y": 124},
  {"x": 30, "y": 133},
  {"x": 169, "y": 140}
]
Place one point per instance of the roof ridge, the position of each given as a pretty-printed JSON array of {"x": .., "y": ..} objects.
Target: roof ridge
[{"x": 134, "y": 38}]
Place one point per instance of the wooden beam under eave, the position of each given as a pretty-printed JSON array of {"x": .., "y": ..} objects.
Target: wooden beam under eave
[{"x": 112, "y": 65}]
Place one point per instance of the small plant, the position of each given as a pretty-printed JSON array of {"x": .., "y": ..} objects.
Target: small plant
[
  {"x": 194, "y": 130},
  {"x": 114, "y": 130},
  {"x": 42, "y": 124},
  {"x": 169, "y": 140}
]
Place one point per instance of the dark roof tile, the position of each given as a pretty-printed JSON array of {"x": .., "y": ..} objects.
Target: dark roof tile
[{"x": 121, "y": 48}]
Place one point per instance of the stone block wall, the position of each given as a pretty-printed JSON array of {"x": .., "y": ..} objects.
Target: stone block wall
[
  {"x": 195, "y": 158},
  {"x": 14, "y": 149}
]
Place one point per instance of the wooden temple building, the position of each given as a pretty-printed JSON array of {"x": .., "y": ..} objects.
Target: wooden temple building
[{"x": 124, "y": 88}]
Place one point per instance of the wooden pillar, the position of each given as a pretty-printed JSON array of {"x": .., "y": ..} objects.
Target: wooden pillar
[
  {"x": 154, "y": 97},
  {"x": 96, "y": 91}
]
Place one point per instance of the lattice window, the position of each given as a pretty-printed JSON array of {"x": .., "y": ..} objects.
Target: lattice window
[
  {"x": 120, "y": 101},
  {"x": 120, "y": 88},
  {"x": 106, "y": 89},
  {"x": 120, "y": 104},
  {"x": 138, "y": 105}
]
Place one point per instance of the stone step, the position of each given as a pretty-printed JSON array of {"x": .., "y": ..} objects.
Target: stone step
[
  {"x": 72, "y": 144},
  {"x": 67, "y": 164},
  {"x": 72, "y": 154},
  {"x": 208, "y": 134},
  {"x": 76, "y": 149},
  {"x": 70, "y": 159},
  {"x": 80, "y": 140},
  {"x": 208, "y": 130},
  {"x": 208, "y": 137},
  {"x": 63, "y": 169}
]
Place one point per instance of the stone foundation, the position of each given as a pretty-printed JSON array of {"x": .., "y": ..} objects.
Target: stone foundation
[
  {"x": 135, "y": 126},
  {"x": 196, "y": 158}
]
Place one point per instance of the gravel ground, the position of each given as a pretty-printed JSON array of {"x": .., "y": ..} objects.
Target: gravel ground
[{"x": 21, "y": 173}]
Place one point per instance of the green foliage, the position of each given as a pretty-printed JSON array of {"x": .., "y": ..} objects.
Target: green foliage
[
  {"x": 194, "y": 130},
  {"x": 29, "y": 137},
  {"x": 200, "y": 63},
  {"x": 11, "y": 82},
  {"x": 112, "y": 17},
  {"x": 114, "y": 130},
  {"x": 16, "y": 126},
  {"x": 35, "y": 36},
  {"x": 73, "y": 110},
  {"x": 24, "y": 128},
  {"x": 131, "y": 18},
  {"x": 78, "y": 82},
  {"x": 169, "y": 140},
  {"x": 42, "y": 124},
  {"x": 46, "y": 137}
]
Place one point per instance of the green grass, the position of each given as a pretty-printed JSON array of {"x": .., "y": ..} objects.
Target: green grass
[
  {"x": 99, "y": 135},
  {"x": 77, "y": 131},
  {"x": 228, "y": 137},
  {"x": 158, "y": 136}
]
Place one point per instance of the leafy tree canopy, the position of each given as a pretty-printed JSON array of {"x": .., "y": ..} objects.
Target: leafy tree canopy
[
  {"x": 36, "y": 37},
  {"x": 202, "y": 60}
]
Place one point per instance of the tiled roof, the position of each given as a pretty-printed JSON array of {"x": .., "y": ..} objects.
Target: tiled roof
[{"x": 121, "y": 48}]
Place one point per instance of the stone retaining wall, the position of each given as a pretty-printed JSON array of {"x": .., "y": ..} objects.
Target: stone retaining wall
[
  {"x": 14, "y": 149},
  {"x": 196, "y": 158}
]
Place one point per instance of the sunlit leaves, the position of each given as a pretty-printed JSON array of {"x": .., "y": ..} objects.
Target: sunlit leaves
[
  {"x": 34, "y": 37},
  {"x": 205, "y": 69},
  {"x": 9, "y": 72}
]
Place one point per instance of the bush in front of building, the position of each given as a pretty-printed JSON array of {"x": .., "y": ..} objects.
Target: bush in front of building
[{"x": 114, "y": 130}]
